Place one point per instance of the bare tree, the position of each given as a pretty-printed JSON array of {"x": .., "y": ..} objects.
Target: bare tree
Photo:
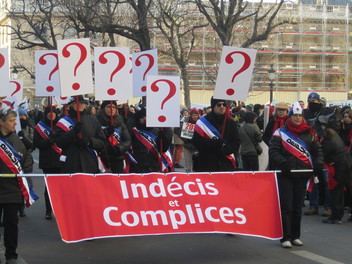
[
  {"x": 178, "y": 24},
  {"x": 225, "y": 15},
  {"x": 126, "y": 18}
]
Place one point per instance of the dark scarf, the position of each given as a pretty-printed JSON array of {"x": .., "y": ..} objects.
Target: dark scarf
[
  {"x": 298, "y": 129},
  {"x": 279, "y": 122}
]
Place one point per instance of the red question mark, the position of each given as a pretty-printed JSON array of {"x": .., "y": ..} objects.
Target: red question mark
[
  {"x": 83, "y": 56},
  {"x": 120, "y": 65},
  {"x": 2, "y": 60},
  {"x": 171, "y": 93},
  {"x": 43, "y": 61},
  {"x": 150, "y": 65},
  {"x": 246, "y": 64},
  {"x": 18, "y": 87}
]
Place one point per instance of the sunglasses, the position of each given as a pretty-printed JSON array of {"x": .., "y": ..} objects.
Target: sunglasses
[
  {"x": 281, "y": 109},
  {"x": 221, "y": 104}
]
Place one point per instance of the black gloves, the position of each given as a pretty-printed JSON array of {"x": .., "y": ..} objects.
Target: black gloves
[
  {"x": 319, "y": 172},
  {"x": 78, "y": 127},
  {"x": 83, "y": 143},
  {"x": 285, "y": 168},
  {"x": 51, "y": 139},
  {"x": 225, "y": 150},
  {"x": 21, "y": 134},
  {"x": 117, "y": 151},
  {"x": 110, "y": 130}
]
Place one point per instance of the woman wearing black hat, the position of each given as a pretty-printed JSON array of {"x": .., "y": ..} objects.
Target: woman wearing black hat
[
  {"x": 49, "y": 153},
  {"x": 119, "y": 139}
]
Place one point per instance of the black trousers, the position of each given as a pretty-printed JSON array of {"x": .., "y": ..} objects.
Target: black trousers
[
  {"x": 10, "y": 229},
  {"x": 250, "y": 162},
  {"x": 292, "y": 192}
]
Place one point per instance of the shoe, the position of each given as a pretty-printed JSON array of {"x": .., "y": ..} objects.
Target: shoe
[
  {"x": 22, "y": 214},
  {"x": 11, "y": 261},
  {"x": 48, "y": 216},
  {"x": 311, "y": 211},
  {"x": 332, "y": 221},
  {"x": 297, "y": 242},
  {"x": 178, "y": 166},
  {"x": 286, "y": 244},
  {"x": 326, "y": 212}
]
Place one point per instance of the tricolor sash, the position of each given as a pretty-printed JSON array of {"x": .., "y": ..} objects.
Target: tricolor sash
[
  {"x": 206, "y": 130},
  {"x": 44, "y": 131},
  {"x": 12, "y": 160},
  {"x": 148, "y": 139},
  {"x": 66, "y": 124},
  {"x": 295, "y": 146}
]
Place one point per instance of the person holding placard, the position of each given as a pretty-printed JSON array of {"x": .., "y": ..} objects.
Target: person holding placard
[
  {"x": 216, "y": 138},
  {"x": 81, "y": 139}
]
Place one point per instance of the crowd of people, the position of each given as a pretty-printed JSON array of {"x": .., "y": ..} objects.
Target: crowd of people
[{"x": 107, "y": 137}]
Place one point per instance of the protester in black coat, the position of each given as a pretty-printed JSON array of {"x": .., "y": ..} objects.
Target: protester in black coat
[
  {"x": 49, "y": 153},
  {"x": 294, "y": 147},
  {"x": 146, "y": 160},
  {"x": 11, "y": 196},
  {"x": 79, "y": 142},
  {"x": 117, "y": 152},
  {"x": 213, "y": 151}
]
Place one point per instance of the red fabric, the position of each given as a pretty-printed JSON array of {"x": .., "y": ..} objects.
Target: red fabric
[
  {"x": 298, "y": 129},
  {"x": 331, "y": 180},
  {"x": 158, "y": 203},
  {"x": 279, "y": 122}
]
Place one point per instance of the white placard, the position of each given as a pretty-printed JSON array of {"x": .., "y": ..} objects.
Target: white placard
[
  {"x": 143, "y": 64},
  {"x": 163, "y": 101},
  {"x": 62, "y": 100},
  {"x": 47, "y": 77},
  {"x": 75, "y": 67},
  {"x": 339, "y": 103},
  {"x": 235, "y": 73},
  {"x": 113, "y": 80},
  {"x": 16, "y": 89},
  {"x": 187, "y": 130},
  {"x": 4, "y": 72}
]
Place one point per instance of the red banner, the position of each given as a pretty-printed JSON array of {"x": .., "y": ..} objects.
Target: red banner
[{"x": 106, "y": 205}]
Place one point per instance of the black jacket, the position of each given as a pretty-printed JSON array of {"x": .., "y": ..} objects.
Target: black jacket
[
  {"x": 48, "y": 157},
  {"x": 117, "y": 152},
  {"x": 146, "y": 161},
  {"x": 78, "y": 158},
  {"x": 212, "y": 152},
  {"x": 278, "y": 154},
  {"x": 9, "y": 189}
]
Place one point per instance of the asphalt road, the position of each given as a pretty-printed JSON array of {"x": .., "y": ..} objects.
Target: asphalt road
[{"x": 40, "y": 243}]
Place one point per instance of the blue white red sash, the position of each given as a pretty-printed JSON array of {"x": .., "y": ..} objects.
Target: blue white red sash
[
  {"x": 12, "y": 160},
  {"x": 148, "y": 139},
  {"x": 44, "y": 131},
  {"x": 294, "y": 146},
  {"x": 206, "y": 130},
  {"x": 66, "y": 124}
]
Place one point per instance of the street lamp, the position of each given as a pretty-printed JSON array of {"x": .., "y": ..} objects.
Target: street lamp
[{"x": 271, "y": 75}]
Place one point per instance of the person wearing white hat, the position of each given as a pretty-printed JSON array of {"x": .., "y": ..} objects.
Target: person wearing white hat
[{"x": 294, "y": 147}]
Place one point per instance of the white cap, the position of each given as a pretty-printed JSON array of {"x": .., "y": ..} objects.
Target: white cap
[{"x": 296, "y": 109}]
